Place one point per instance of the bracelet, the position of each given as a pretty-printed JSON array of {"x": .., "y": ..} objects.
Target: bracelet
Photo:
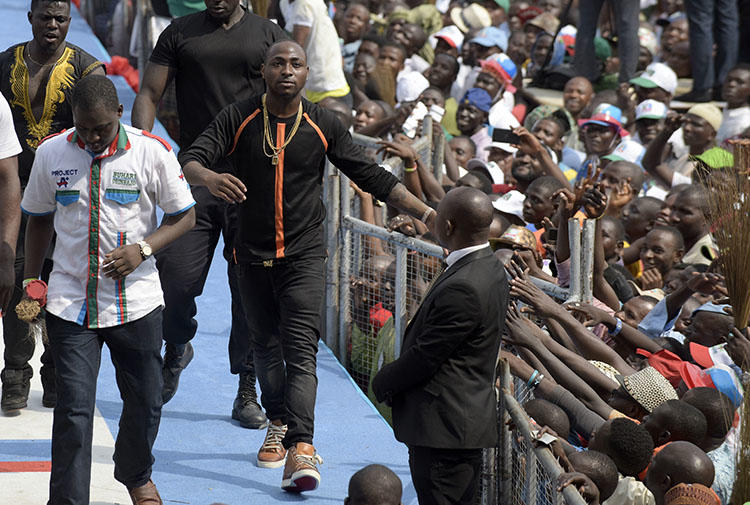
[
  {"x": 409, "y": 170},
  {"x": 28, "y": 281},
  {"x": 618, "y": 328},
  {"x": 426, "y": 214},
  {"x": 536, "y": 382},
  {"x": 531, "y": 379}
]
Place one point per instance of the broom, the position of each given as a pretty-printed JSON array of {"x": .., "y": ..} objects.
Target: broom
[{"x": 729, "y": 205}]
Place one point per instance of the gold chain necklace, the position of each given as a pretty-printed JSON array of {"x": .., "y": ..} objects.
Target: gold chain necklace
[
  {"x": 28, "y": 53},
  {"x": 268, "y": 139}
]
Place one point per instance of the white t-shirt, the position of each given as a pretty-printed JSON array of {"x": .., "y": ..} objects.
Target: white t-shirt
[
  {"x": 323, "y": 50},
  {"x": 733, "y": 122},
  {"x": 9, "y": 145}
]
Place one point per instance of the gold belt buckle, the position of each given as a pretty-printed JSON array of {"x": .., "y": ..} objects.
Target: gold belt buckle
[{"x": 267, "y": 263}]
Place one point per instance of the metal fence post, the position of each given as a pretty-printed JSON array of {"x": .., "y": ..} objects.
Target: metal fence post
[
  {"x": 332, "y": 226},
  {"x": 401, "y": 288},
  {"x": 345, "y": 263},
  {"x": 574, "y": 240},
  {"x": 587, "y": 259}
]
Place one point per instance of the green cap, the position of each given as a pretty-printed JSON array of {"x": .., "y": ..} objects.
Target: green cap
[
  {"x": 716, "y": 158},
  {"x": 602, "y": 49},
  {"x": 505, "y": 4}
]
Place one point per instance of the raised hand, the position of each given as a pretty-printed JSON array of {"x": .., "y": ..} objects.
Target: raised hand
[
  {"x": 589, "y": 315},
  {"x": 594, "y": 202},
  {"x": 651, "y": 279}
]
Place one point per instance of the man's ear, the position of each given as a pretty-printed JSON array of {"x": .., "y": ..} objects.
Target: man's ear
[{"x": 663, "y": 437}]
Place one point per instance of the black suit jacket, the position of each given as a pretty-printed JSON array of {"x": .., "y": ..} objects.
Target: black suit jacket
[{"x": 441, "y": 386}]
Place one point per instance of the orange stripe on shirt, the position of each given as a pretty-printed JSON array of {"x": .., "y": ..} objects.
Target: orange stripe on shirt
[
  {"x": 317, "y": 129},
  {"x": 279, "y": 191},
  {"x": 241, "y": 128}
]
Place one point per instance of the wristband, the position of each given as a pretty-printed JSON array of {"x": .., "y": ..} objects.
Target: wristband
[
  {"x": 29, "y": 280},
  {"x": 426, "y": 214},
  {"x": 531, "y": 379},
  {"x": 410, "y": 169},
  {"x": 618, "y": 328}
]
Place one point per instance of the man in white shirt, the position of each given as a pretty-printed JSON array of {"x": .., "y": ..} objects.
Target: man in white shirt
[
  {"x": 97, "y": 187},
  {"x": 10, "y": 197}
]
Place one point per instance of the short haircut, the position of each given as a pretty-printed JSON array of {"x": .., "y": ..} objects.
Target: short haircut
[
  {"x": 435, "y": 89},
  {"x": 374, "y": 485},
  {"x": 387, "y": 109},
  {"x": 634, "y": 172},
  {"x": 471, "y": 143},
  {"x": 700, "y": 194},
  {"x": 630, "y": 446},
  {"x": 671, "y": 230},
  {"x": 685, "y": 421},
  {"x": 454, "y": 61},
  {"x": 598, "y": 467},
  {"x": 373, "y": 36},
  {"x": 619, "y": 229},
  {"x": 715, "y": 406},
  {"x": 35, "y": 3},
  {"x": 547, "y": 183},
  {"x": 391, "y": 43},
  {"x": 546, "y": 413},
  {"x": 94, "y": 91},
  {"x": 485, "y": 182},
  {"x": 649, "y": 204}
]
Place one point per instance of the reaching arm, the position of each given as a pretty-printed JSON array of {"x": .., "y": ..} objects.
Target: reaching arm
[
  {"x": 155, "y": 80},
  {"x": 531, "y": 145},
  {"x": 653, "y": 157},
  {"x": 10, "y": 220},
  {"x": 404, "y": 201}
]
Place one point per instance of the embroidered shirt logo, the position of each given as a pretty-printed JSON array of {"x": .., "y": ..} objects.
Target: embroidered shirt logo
[
  {"x": 63, "y": 182},
  {"x": 123, "y": 178}
]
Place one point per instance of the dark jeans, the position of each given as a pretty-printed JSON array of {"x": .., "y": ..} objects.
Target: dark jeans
[
  {"x": 183, "y": 266},
  {"x": 283, "y": 305},
  {"x": 135, "y": 348},
  {"x": 706, "y": 19},
  {"x": 19, "y": 347},
  {"x": 445, "y": 476},
  {"x": 626, "y": 24}
]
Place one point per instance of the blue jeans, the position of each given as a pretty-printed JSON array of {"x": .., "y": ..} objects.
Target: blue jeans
[
  {"x": 76, "y": 351},
  {"x": 706, "y": 19},
  {"x": 283, "y": 304},
  {"x": 626, "y": 24}
]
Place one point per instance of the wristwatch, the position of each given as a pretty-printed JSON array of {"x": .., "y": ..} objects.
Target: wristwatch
[{"x": 145, "y": 249}]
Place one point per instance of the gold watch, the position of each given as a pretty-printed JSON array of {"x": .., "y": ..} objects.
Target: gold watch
[{"x": 145, "y": 249}]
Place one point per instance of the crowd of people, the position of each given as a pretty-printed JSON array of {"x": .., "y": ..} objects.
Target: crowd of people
[{"x": 549, "y": 111}]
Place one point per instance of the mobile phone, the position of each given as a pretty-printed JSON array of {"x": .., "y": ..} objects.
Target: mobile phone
[{"x": 505, "y": 136}]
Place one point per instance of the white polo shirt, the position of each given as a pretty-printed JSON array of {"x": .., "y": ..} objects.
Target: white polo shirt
[{"x": 101, "y": 203}]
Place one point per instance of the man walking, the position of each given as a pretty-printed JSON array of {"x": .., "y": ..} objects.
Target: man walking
[
  {"x": 37, "y": 79},
  {"x": 441, "y": 387},
  {"x": 277, "y": 144},
  {"x": 104, "y": 287},
  {"x": 214, "y": 57}
]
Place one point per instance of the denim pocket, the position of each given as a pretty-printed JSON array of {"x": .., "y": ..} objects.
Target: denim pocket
[
  {"x": 122, "y": 196},
  {"x": 67, "y": 196}
]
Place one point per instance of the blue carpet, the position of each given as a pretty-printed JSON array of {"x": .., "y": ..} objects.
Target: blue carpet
[{"x": 201, "y": 455}]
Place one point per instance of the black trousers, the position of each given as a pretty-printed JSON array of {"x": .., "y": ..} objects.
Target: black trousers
[
  {"x": 445, "y": 476},
  {"x": 135, "y": 348},
  {"x": 183, "y": 267},
  {"x": 19, "y": 348},
  {"x": 283, "y": 303}
]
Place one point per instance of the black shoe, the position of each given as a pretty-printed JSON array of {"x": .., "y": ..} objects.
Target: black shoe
[
  {"x": 175, "y": 361},
  {"x": 696, "y": 96},
  {"x": 49, "y": 395},
  {"x": 16, "y": 385},
  {"x": 246, "y": 409}
]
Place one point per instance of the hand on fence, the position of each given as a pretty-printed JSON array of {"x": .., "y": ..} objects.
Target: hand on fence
[
  {"x": 538, "y": 302},
  {"x": 402, "y": 224},
  {"x": 590, "y": 316},
  {"x": 707, "y": 284},
  {"x": 401, "y": 149},
  {"x": 585, "y": 486},
  {"x": 518, "y": 333}
]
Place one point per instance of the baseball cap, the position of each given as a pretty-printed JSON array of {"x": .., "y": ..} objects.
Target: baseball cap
[
  {"x": 716, "y": 158},
  {"x": 648, "y": 387},
  {"x": 627, "y": 150},
  {"x": 492, "y": 170},
  {"x": 606, "y": 115},
  {"x": 650, "y": 109},
  {"x": 410, "y": 85},
  {"x": 515, "y": 236},
  {"x": 491, "y": 36},
  {"x": 502, "y": 118},
  {"x": 671, "y": 18},
  {"x": 529, "y": 13},
  {"x": 712, "y": 307},
  {"x": 452, "y": 35},
  {"x": 694, "y": 376},
  {"x": 647, "y": 38},
  {"x": 505, "y": 4},
  {"x": 511, "y": 203},
  {"x": 657, "y": 75},
  {"x": 479, "y": 98},
  {"x": 501, "y": 66},
  {"x": 546, "y": 21},
  {"x": 709, "y": 112},
  {"x": 710, "y": 356},
  {"x": 471, "y": 17},
  {"x": 724, "y": 380}
]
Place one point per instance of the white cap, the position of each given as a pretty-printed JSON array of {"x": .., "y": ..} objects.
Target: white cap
[
  {"x": 410, "y": 85},
  {"x": 492, "y": 168},
  {"x": 452, "y": 36},
  {"x": 627, "y": 150},
  {"x": 657, "y": 75},
  {"x": 510, "y": 203},
  {"x": 650, "y": 109}
]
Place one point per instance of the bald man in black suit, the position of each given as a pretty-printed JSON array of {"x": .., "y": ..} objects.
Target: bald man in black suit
[{"x": 441, "y": 387}]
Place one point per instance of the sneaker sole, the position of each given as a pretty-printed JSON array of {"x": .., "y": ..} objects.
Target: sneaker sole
[
  {"x": 270, "y": 464},
  {"x": 301, "y": 481}
]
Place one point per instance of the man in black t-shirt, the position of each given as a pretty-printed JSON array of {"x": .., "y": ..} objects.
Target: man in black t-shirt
[
  {"x": 215, "y": 57},
  {"x": 37, "y": 79}
]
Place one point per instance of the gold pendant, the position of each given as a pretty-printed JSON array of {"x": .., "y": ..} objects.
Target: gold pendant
[{"x": 275, "y": 160}]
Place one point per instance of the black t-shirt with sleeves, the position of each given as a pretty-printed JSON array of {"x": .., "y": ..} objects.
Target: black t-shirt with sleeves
[{"x": 214, "y": 66}]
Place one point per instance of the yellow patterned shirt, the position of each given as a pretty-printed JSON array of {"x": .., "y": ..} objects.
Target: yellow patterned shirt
[{"x": 57, "y": 115}]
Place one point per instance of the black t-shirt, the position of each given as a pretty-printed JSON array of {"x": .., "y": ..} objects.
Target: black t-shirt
[
  {"x": 214, "y": 66},
  {"x": 57, "y": 114}
]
